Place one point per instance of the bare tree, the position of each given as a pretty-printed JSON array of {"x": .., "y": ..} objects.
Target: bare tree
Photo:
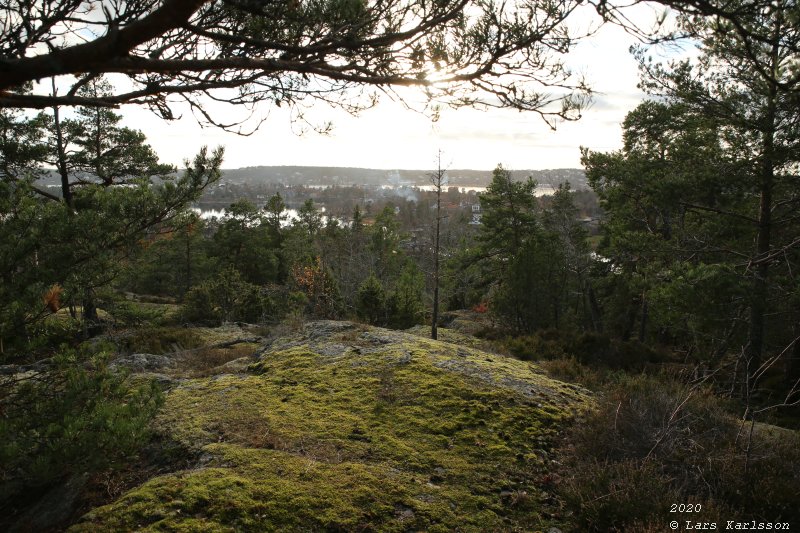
[{"x": 437, "y": 180}]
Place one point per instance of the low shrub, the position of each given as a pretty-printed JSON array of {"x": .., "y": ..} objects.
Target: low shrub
[
  {"x": 202, "y": 362},
  {"x": 588, "y": 348},
  {"x": 126, "y": 313},
  {"x": 611, "y": 496},
  {"x": 226, "y": 297},
  {"x": 760, "y": 475},
  {"x": 570, "y": 370},
  {"x": 648, "y": 417},
  {"x": 78, "y": 416},
  {"x": 654, "y": 441},
  {"x": 160, "y": 340},
  {"x": 541, "y": 345}
]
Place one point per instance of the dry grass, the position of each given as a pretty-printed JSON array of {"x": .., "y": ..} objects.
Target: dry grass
[{"x": 202, "y": 362}]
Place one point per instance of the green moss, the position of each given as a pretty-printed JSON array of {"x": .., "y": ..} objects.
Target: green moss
[
  {"x": 350, "y": 429},
  {"x": 450, "y": 335}
]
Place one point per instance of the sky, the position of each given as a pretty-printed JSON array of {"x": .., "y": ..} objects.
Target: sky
[{"x": 390, "y": 136}]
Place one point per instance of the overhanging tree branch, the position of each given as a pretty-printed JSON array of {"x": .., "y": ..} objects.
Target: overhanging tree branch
[
  {"x": 462, "y": 52},
  {"x": 92, "y": 56}
]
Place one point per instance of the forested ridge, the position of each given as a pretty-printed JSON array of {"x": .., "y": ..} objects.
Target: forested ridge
[{"x": 351, "y": 359}]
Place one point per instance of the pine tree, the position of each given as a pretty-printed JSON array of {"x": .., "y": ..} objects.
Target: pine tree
[{"x": 371, "y": 301}]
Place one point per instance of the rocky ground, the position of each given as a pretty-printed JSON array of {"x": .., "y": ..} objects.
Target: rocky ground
[{"x": 343, "y": 427}]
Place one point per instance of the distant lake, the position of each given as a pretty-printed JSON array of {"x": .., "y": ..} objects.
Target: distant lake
[
  {"x": 541, "y": 190},
  {"x": 208, "y": 214},
  {"x": 291, "y": 215}
]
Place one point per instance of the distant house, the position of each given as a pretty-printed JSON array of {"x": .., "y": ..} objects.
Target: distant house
[{"x": 476, "y": 214}]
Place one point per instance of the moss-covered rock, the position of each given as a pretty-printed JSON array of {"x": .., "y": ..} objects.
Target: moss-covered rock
[
  {"x": 343, "y": 427},
  {"x": 452, "y": 336}
]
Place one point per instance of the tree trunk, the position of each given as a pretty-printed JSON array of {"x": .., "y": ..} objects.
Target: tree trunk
[
  {"x": 643, "y": 319},
  {"x": 630, "y": 319},
  {"x": 89, "y": 306},
  {"x": 435, "y": 317},
  {"x": 89, "y": 313},
  {"x": 61, "y": 164},
  {"x": 758, "y": 306},
  {"x": 188, "y": 262},
  {"x": 594, "y": 308}
]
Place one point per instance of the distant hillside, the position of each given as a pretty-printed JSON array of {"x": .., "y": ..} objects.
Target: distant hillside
[
  {"x": 299, "y": 175},
  {"x": 347, "y": 176}
]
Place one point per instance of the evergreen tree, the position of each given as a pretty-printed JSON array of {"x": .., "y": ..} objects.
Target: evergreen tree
[
  {"x": 508, "y": 225},
  {"x": 745, "y": 80},
  {"x": 531, "y": 294},
  {"x": 275, "y": 215},
  {"x": 353, "y": 261},
  {"x": 406, "y": 306},
  {"x": 576, "y": 301},
  {"x": 371, "y": 301},
  {"x": 243, "y": 241},
  {"x": 79, "y": 416},
  {"x": 22, "y": 145},
  {"x": 665, "y": 196},
  {"x": 226, "y": 297},
  {"x": 309, "y": 219},
  {"x": 358, "y": 219},
  {"x": 103, "y": 150},
  {"x": 173, "y": 260},
  {"x": 47, "y": 242},
  {"x": 686, "y": 220},
  {"x": 384, "y": 240},
  {"x": 508, "y": 217}
]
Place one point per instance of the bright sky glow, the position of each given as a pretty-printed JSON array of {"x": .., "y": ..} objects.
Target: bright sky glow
[{"x": 391, "y": 136}]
